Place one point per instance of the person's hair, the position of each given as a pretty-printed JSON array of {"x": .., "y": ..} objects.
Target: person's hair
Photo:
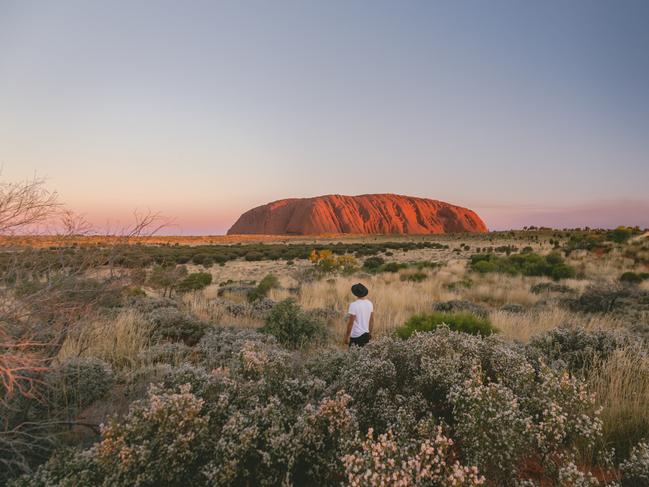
[{"x": 359, "y": 290}]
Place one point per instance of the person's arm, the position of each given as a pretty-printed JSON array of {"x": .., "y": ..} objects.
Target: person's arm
[
  {"x": 371, "y": 323},
  {"x": 348, "y": 332}
]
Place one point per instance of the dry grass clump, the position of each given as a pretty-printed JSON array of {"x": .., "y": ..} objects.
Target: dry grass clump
[
  {"x": 523, "y": 326},
  {"x": 395, "y": 300},
  {"x": 116, "y": 340},
  {"x": 206, "y": 308},
  {"x": 499, "y": 289},
  {"x": 621, "y": 386}
]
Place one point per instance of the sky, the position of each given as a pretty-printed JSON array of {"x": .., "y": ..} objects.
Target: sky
[{"x": 530, "y": 113}]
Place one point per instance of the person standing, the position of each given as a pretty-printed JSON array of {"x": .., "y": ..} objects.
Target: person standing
[{"x": 361, "y": 318}]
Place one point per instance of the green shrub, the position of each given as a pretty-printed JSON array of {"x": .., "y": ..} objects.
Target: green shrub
[
  {"x": 174, "y": 325},
  {"x": 620, "y": 234},
  {"x": 463, "y": 322},
  {"x": 262, "y": 289},
  {"x": 461, "y": 306},
  {"x": 414, "y": 277},
  {"x": 254, "y": 256},
  {"x": 549, "y": 287},
  {"x": 631, "y": 278},
  {"x": 464, "y": 283},
  {"x": 194, "y": 282},
  {"x": 426, "y": 264},
  {"x": 392, "y": 267},
  {"x": 528, "y": 264},
  {"x": 292, "y": 327},
  {"x": 372, "y": 264}
]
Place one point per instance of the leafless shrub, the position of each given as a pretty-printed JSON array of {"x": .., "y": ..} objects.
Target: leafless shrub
[{"x": 45, "y": 294}]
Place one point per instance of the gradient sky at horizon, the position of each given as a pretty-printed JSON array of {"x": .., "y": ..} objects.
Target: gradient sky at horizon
[{"x": 531, "y": 113}]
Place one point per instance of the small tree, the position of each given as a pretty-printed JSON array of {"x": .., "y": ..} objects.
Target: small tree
[{"x": 166, "y": 277}]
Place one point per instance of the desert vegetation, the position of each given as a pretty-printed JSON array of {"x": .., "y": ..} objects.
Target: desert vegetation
[{"x": 507, "y": 358}]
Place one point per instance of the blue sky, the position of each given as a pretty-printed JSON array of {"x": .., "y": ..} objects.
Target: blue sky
[{"x": 528, "y": 112}]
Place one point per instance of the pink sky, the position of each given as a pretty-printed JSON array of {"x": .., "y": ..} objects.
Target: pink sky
[{"x": 530, "y": 113}]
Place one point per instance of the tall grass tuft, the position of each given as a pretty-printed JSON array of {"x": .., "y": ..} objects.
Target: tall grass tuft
[
  {"x": 117, "y": 341},
  {"x": 621, "y": 386}
]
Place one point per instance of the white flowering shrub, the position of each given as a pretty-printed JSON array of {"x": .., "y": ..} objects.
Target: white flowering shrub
[
  {"x": 160, "y": 442},
  {"x": 66, "y": 468},
  {"x": 419, "y": 373},
  {"x": 438, "y": 409},
  {"x": 390, "y": 459},
  {"x": 324, "y": 434},
  {"x": 635, "y": 470},
  {"x": 546, "y": 422},
  {"x": 219, "y": 346},
  {"x": 490, "y": 414},
  {"x": 252, "y": 447}
]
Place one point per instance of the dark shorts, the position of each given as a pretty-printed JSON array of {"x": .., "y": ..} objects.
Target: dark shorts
[{"x": 360, "y": 341}]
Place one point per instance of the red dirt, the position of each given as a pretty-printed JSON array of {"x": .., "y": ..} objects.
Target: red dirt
[{"x": 365, "y": 214}]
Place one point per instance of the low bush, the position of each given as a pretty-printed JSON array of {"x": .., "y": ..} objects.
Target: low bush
[
  {"x": 464, "y": 283},
  {"x": 635, "y": 470},
  {"x": 194, "y": 282},
  {"x": 160, "y": 442},
  {"x": 77, "y": 383},
  {"x": 600, "y": 298},
  {"x": 372, "y": 264},
  {"x": 463, "y": 322},
  {"x": 254, "y": 256},
  {"x": 461, "y": 306},
  {"x": 221, "y": 345},
  {"x": 171, "y": 324},
  {"x": 419, "y": 411},
  {"x": 326, "y": 262},
  {"x": 262, "y": 289},
  {"x": 620, "y": 234},
  {"x": 633, "y": 278},
  {"x": 528, "y": 264},
  {"x": 392, "y": 267},
  {"x": 574, "y": 348},
  {"x": 549, "y": 287},
  {"x": 414, "y": 277},
  {"x": 292, "y": 327},
  {"x": 393, "y": 458}
]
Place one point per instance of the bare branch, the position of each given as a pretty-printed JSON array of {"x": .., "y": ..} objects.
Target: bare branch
[{"x": 25, "y": 204}]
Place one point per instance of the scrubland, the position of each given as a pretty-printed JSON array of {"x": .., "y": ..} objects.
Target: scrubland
[{"x": 160, "y": 364}]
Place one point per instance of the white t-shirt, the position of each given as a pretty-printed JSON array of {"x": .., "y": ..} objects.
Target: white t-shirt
[{"x": 362, "y": 310}]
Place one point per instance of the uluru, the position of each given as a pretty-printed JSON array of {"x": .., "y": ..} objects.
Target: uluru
[{"x": 363, "y": 214}]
